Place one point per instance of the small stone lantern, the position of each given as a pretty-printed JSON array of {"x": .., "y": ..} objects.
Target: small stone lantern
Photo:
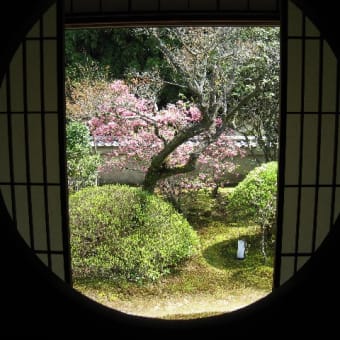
[{"x": 241, "y": 249}]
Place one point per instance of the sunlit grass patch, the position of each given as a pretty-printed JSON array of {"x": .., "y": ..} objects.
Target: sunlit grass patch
[{"x": 212, "y": 273}]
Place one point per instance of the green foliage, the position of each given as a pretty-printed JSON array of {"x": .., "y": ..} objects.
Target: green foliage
[
  {"x": 259, "y": 117},
  {"x": 254, "y": 199},
  {"x": 82, "y": 165},
  {"x": 200, "y": 206},
  {"x": 220, "y": 245},
  {"x": 223, "y": 274},
  {"x": 120, "y": 49},
  {"x": 209, "y": 68},
  {"x": 117, "y": 53},
  {"x": 121, "y": 232}
]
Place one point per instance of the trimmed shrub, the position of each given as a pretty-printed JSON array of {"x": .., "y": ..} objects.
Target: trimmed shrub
[
  {"x": 254, "y": 199},
  {"x": 123, "y": 232}
]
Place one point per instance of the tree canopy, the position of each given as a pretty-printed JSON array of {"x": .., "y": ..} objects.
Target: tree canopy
[{"x": 226, "y": 79}]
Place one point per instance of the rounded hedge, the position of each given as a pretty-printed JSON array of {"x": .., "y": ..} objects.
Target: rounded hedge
[
  {"x": 123, "y": 232},
  {"x": 254, "y": 198}
]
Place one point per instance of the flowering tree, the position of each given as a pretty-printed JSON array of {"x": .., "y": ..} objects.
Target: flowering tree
[
  {"x": 218, "y": 73},
  {"x": 229, "y": 72},
  {"x": 163, "y": 143}
]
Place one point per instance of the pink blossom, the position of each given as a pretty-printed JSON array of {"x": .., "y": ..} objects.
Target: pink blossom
[{"x": 138, "y": 131}]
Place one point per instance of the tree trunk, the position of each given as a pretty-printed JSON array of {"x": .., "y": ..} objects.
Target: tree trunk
[
  {"x": 175, "y": 203},
  {"x": 150, "y": 180},
  {"x": 215, "y": 191}
]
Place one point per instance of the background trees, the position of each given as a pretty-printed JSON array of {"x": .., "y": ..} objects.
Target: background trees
[
  {"x": 233, "y": 69},
  {"x": 259, "y": 118},
  {"x": 117, "y": 50},
  {"x": 223, "y": 78},
  {"x": 82, "y": 164}
]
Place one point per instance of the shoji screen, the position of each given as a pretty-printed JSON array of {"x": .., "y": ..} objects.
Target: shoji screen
[
  {"x": 32, "y": 174},
  {"x": 309, "y": 184}
]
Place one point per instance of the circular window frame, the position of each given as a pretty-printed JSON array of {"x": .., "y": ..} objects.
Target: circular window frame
[{"x": 53, "y": 294}]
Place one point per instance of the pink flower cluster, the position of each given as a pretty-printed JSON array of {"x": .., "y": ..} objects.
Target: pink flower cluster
[{"x": 138, "y": 131}]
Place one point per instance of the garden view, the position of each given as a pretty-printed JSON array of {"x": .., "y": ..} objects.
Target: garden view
[{"x": 172, "y": 141}]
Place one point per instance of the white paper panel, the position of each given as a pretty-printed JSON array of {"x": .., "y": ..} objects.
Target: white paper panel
[
  {"x": 294, "y": 20},
  {"x": 324, "y": 214},
  {"x": 50, "y": 75},
  {"x": 4, "y": 150},
  {"x": 294, "y": 75},
  {"x": 22, "y": 212},
  {"x": 39, "y": 217},
  {"x": 292, "y": 165},
  {"x": 287, "y": 269},
  {"x": 7, "y": 196},
  {"x": 3, "y": 96},
  {"x": 312, "y": 61},
  {"x": 327, "y": 149},
  {"x": 329, "y": 79},
  {"x": 35, "y": 147},
  {"x": 289, "y": 220},
  {"x": 52, "y": 148},
  {"x": 49, "y": 22},
  {"x": 54, "y": 215},
  {"x": 58, "y": 265},
  {"x": 33, "y": 75},
  {"x": 306, "y": 220},
  {"x": 19, "y": 150},
  {"x": 16, "y": 82},
  {"x": 309, "y": 153}
]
